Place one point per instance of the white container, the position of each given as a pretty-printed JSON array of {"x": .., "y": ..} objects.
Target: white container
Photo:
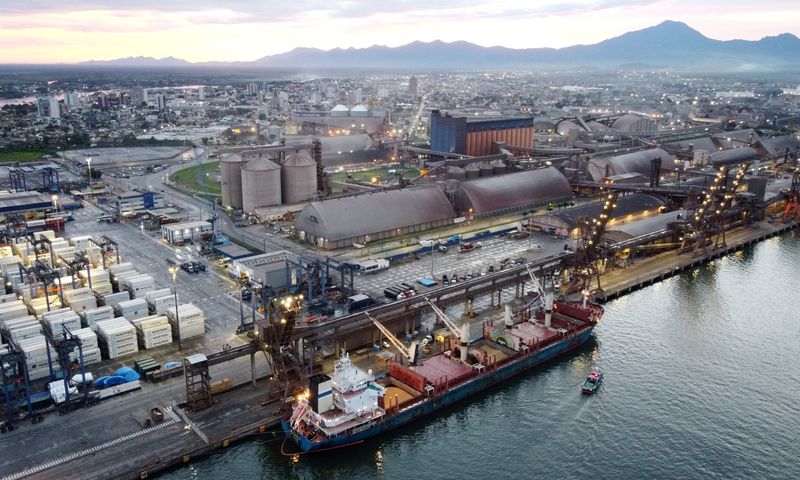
[
  {"x": 132, "y": 309},
  {"x": 91, "y": 317},
  {"x": 159, "y": 306},
  {"x": 114, "y": 299},
  {"x": 162, "y": 292},
  {"x": 138, "y": 285},
  {"x": 103, "y": 289}
]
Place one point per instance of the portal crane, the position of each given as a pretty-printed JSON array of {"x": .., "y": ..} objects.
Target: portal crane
[
  {"x": 547, "y": 298},
  {"x": 462, "y": 333},
  {"x": 411, "y": 353}
]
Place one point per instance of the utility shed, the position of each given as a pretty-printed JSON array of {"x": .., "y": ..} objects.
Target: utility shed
[
  {"x": 567, "y": 222},
  {"x": 511, "y": 193},
  {"x": 362, "y": 218}
]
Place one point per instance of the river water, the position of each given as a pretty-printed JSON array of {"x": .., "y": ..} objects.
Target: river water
[{"x": 702, "y": 381}]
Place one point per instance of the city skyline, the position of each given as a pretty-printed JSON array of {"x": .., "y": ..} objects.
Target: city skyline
[{"x": 48, "y": 32}]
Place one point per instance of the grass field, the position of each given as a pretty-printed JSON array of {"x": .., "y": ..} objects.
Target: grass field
[
  {"x": 187, "y": 178},
  {"x": 367, "y": 175},
  {"x": 21, "y": 155}
]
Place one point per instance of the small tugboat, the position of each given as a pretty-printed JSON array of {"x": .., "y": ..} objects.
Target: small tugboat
[{"x": 592, "y": 382}]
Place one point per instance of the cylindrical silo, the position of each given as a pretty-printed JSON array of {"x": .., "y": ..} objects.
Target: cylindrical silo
[
  {"x": 261, "y": 184},
  {"x": 298, "y": 177},
  {"x": 230, "y": 168},
  {"x": 486, "y": 169},
  {"x": 456, "y": 173},
  {"x": 472, "y": 171},
  {"x": 498, "y": 166}
]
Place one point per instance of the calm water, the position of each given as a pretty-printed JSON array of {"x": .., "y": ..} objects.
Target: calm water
[{"x": 702, "y": 381}]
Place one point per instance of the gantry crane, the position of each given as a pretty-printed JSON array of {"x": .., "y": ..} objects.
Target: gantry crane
[
  {"x": 546, "y": 296},
  {"x": 410, "y": 353},
  {"x": 462, "y": 333},
  {"x": 275, "y": 333}
]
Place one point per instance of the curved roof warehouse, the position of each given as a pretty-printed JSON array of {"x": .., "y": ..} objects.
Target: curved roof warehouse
[{"x": 339, "y": 222}]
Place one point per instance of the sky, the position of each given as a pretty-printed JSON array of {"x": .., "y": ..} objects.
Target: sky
[{"x": 69, "y": 31}]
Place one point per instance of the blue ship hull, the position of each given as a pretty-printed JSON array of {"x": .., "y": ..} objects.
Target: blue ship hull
[{"x": 428, "y": 406}]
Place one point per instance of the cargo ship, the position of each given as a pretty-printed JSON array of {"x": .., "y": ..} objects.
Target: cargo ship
[{"x": 352, "y": 405}]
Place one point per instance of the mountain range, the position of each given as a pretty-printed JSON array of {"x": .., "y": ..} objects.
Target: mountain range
[{"x": 667, "y": 45}]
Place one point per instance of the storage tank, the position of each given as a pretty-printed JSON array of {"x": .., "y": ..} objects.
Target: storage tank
[
  {"x": 456, "y": 173},
  {"x": 486, "y": 169},
  {"x": 451, "y": 186},
  {"x": 472, "y": 171},
  {"x": 231, "y": 179},
  {"x": 298, "y": 177},
  {"x": 498, "y": 167},
  {"x": 261, "y": 184}
]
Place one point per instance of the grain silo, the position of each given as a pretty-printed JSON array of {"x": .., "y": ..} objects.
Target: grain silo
[
  {"x": 472, "y": 171},
  {"x": 486, "y": 169},
  {"x": 298, "y": 177},
  {"x": 230, "y": 167},
  {"x": 499, "y": 166},
  {"x": 456, "y": 173},
  {"x": 261, "y": 184}
]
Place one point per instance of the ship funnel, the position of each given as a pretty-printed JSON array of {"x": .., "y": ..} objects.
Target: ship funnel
[
  {"x": 548, "y": 308},
  {"x": 464, "y": 346},
  {"x": 507, "y": 317}
]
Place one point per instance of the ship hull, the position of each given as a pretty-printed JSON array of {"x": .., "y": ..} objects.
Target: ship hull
[{"x": 460, "y": 392}]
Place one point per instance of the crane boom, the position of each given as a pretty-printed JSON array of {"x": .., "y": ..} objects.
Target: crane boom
[
  {"x": 445, "y": 319},
  {"x": 409, "y": 352}
]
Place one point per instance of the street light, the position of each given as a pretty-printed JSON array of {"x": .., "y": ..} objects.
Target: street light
[
  {"x": 89, "y": 165},
  {"x": 55, "y": 203},
  {"x": 173, "y": 270}
]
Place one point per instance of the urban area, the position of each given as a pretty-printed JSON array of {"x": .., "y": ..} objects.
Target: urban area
[{"x": 320, "y": 260}]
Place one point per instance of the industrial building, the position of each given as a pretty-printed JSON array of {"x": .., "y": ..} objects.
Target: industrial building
[
  {"x": 131, "y": 203},
  {"x": 340, "y": 222},
  {"x": 515, "y": 192},
  {"x": 179, "y": 233},
  {"x": 272, "y": 269},
  {"x": 20, "y": 202},
  {"x": 567, "y": 222},
  {"x": 359, "y": 118},
  {"x": 636, "y": 162},
  {"x": 475, "y": 135},
  {"x": 255, "y": 179}
]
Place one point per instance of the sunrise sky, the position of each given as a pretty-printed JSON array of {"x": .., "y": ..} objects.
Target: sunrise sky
[{"x": 40, "y": 31}]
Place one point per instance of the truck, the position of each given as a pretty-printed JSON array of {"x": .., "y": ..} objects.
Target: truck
[{"x": 359, "y": 302}]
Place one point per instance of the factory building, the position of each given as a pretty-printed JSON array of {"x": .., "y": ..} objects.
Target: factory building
[
  {"x": 269, "y": 269},
  {"x": 636, "y": 162},
  {"x": 567, "y": 222},
  {"x": 515, "y": 192},
  {"x": 474, "y": 135},
  {"x": 340, "y": 222},
  {"x": 252, "y": 180},
  {"x": 22, "y": 202},
  {"x": 635, "y": 124},
  {"x": 359, "y": 118}
]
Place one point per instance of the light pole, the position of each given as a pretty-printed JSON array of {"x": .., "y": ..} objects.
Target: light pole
[
  {"x": 89, "y": 166},
  {"x": 173, "y": 270}
]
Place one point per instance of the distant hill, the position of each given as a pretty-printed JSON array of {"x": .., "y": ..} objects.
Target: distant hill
[
  {"x": 672, "y": 44},
  {"x": 668, "y": 44},
  {"x": 140, "y": 62}
]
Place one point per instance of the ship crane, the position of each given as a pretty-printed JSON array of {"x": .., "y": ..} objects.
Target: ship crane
[
  {"x": 411, "y": 353},
  {"x": 462, "y": 333},
  {"x": 547, "y": 298}
]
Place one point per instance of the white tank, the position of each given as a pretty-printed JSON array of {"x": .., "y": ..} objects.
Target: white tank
[
  {"x": 472, "y": 171},
  {"x": 298, "y": 177},
  {"x": 231, "y": 179},
  {"x": 498, "y": 167},
  {"x": 261, "y": 184}
]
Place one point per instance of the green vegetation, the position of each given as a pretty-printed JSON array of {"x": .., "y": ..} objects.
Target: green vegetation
[
  {"x": 22, "y": 155},
  {"x": 367, "y": 175},
  {"x": 187, "y": 178}
]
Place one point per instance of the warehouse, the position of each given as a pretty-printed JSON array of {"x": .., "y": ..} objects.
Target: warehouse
[
  {"x": 339, "y": 222},
  {"x": 131, "y": 203},
  {"x": 19, "y": 202},
  {"x": 179, "y": 233},
  {"x": 510, "y": 193},
  {"x": 566, "y": 223}
]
